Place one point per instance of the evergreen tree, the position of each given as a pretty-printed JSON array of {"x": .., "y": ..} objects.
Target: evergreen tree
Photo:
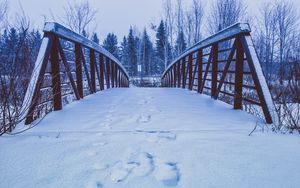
[
  {"x": 111, "y": 44},
  {"x": 132, "y": 53},
  {"x": 180, "y": 43},
  {"x": 95, "y": 38},
  {"x": 161, "y": 48},
  {"x": 146, "y": 53},
  {"x": 124, "y": 54}
]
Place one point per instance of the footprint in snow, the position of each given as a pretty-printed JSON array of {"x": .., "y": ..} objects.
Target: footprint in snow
[
  {"x": 168, "y": 174},
  {"x": 137, "y": 165},
  {"x": 144, "y": 118}
]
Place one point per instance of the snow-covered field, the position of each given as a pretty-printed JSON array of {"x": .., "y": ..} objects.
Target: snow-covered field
[{"x": 149, "y": 138}]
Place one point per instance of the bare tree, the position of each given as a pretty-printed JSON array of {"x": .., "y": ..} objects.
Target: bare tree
[
  {"x": 198, "y": 12},
  {"x": 225, "y": 13},
  {"x": 286, "y": 25},
  {"x": 3, "y": 12},
  {"x": 78, "y": 16},
  {"x": 169, "y": 17}
]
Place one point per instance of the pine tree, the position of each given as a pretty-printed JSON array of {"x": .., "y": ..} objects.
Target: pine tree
[
  {"x": 132, "y": 53},
  {"x": 95, "y": 38},
  {"x": 111, "y": 44},
  {"x": 124, "y": 54},
  {"x": 180, "y": 43},
  {"x": 161, "y": 48},
  {"x": 146, "y": 53}
]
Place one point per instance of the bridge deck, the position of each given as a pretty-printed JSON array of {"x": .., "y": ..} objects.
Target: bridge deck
[{"x": 148, "y": 138}]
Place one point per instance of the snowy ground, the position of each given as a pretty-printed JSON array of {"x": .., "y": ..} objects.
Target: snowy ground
[{"x": 148, "y": 138}]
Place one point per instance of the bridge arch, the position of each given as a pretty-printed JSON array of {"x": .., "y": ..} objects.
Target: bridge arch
[{"x": 225, "y": 66}]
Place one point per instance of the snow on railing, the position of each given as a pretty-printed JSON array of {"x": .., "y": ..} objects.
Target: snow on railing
[{"x": 225, "y": 66}]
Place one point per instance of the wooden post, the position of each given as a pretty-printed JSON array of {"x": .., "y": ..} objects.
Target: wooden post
[
  {"x": 101, "y": 63},
  {"x": 93, "y": 73},
  {"x": 178, "y": 74},
  {"x": 175, "y": 74},
  {"x": 79, "y": 69},
  {"x": 183, "y": 73},
  {"x": 190, "y": 65},
  {"x": 112, "y": 74},
  {"x": 200, "y": 69},
  {"x": 239, "y": 66},
  {"x": 56, "y": 89},
  {"x": 107, "y": 72},
  {"x": 214, "y": 73}
]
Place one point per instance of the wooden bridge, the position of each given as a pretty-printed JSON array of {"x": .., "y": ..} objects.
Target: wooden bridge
[
  {"x": 191, "y": 132},
  {"x": 70, "y": 67}
]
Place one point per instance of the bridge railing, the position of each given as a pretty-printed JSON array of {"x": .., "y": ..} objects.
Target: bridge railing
[
  {"x": 226, "y": 67},
  {"x": 68, "y": 67}
]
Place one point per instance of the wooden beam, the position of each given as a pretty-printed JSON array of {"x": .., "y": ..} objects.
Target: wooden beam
[
  {"x": 93, "y": 67},
  {"x": 101, "y": 65},
  {"x": 190, "y": 65},
  {"x": 56, "y": 82},
  {"x": 199, "y": 62},
  {"x": 239, "y": 69},
  {"x": 79, "y": 69},
  {"x": 107, "y": 72},
  {"x": 214, "y": 73}
]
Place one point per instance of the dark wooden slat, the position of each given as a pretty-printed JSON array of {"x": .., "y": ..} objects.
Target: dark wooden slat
[
  {"x": 101, "y": 67},
  {"x": 190, "y": 69},
  {"x": 239, "y": 66},
  {"x": 199, "y": 63},
  {"x": 93, "y": 67},
  {"x": 56, "y": 82},
  {"x": 214, "y": 75},
  {"x": 107, "y": 72},
  {"x": 79, "y": 70}
]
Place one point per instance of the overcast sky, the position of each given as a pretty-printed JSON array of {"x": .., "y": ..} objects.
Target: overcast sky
[{"x": 113, "y": 15}]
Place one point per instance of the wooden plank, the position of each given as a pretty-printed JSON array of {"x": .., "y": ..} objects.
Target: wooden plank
[
  {"x": 199, "y": 63},
  {"x": 108, "y": 72},
  {"x": 239, "y": 67},
  {"x": 55, "y": 69},
  {"x": 79, "y": 69},
  {"x": 183, "y": 73},
  {"x": 214, "y": 74},
  {"x": 190, "y": 65},
  {"x": 179, "y": 74},
  {"x": 101, "y": 69},
  {"x": 93, "y": 67}
]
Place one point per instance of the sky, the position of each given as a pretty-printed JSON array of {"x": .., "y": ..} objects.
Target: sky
[{"x": 112, "y": 15}]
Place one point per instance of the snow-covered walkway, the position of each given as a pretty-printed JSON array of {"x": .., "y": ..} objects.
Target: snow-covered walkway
[{"x": 148, "y": 138}]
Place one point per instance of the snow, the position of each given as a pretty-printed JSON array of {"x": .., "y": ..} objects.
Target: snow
[{"x": 142, "y": 137}]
